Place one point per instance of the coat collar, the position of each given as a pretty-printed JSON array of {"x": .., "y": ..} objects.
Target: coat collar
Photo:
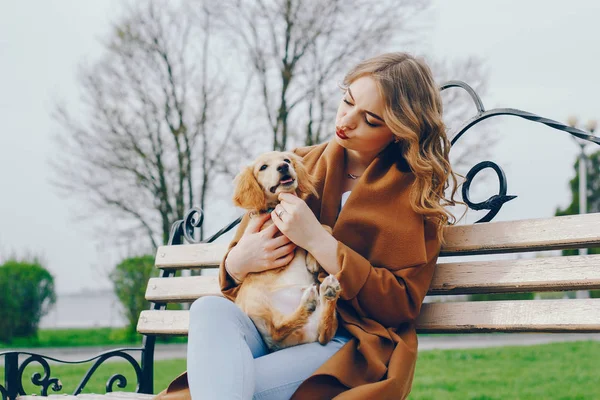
[{"x": 385, "y": 172}]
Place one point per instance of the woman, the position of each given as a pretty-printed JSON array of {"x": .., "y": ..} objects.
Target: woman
[{"x": 381, "y": 184}]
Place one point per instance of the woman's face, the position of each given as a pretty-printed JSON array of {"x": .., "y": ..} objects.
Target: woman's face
[{"x": 359, "y": 120}]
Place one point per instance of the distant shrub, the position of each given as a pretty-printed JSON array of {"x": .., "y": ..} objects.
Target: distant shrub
[
  {"x": 130, "y": 279},
  {"x": 502, "y": 296},
  {"x": 26, "y": 295}
]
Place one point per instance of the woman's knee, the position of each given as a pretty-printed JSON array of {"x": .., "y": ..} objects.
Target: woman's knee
[{"x": 213, "y": 309}]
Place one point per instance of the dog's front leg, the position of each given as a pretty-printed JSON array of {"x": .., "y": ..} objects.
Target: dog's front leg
[
  {"x": 311, "y": 262},
  {"x": 330, "y": 292}
]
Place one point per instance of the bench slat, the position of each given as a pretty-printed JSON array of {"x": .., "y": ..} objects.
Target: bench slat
[
  {"x": 204, "y": 255},
  {"x": 581, "y": 315},
  {"x": 499, "y": 276},
  {"x": 574, "y": 231},
  {"x": 523, "y": 275},
  {"x": 567, "y": 232},
  {"x": 182, "y": 289}
]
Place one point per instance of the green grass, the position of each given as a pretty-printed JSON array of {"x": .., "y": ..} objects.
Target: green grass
[
  {"x": 552, "y": 371},
  {"x": 82, "y": 337}
]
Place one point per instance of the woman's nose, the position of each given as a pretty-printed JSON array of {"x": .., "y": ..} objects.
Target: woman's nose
[{"x": 347, "y": 121}]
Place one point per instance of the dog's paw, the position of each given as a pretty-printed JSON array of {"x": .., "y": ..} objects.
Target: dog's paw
[
  {"x": 310, "y": 298},
  {"x": 330, "y": 288}
]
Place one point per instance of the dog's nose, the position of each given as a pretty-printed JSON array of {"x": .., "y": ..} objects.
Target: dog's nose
[{"x": 283, "y": 168}]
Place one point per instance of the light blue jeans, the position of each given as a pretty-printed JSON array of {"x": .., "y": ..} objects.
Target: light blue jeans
[{"x": 228, "y": 360}]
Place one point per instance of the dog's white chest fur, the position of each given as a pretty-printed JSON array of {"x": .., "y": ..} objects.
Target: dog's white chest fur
[{"x": 290, "y": 284}]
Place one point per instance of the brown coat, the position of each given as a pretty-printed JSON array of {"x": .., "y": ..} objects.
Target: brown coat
[{"x": 387, "y": 253}]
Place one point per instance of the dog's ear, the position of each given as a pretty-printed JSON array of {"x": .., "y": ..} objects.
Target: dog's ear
[
  {"x": 248, "y": 193},
  {"x": 306, "y": 182}
]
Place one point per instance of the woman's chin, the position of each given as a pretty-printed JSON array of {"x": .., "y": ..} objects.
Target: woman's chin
[{"x": 342, "y": 142}]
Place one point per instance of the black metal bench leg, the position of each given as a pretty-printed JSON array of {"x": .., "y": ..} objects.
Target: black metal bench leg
[
  {"x": 11, "y": 376},
  {"x": 147, "y": 384}
]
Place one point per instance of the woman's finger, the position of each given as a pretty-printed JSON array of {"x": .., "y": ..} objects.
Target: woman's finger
[
  {"x": 283, "y": 250},
  {"x": 257, "y": 222},
  {"x": 275, "y": 217},
  {"x": 280, "y": 211},
  {"x": 280, "y": 262},
  {"x": 278, "y": 242},
  {"x": 271, "y": 230}
]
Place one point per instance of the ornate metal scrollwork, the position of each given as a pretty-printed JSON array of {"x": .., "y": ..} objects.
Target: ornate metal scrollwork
[
  {"x": 46, "y": 382},
  {"x": 494, "y": 203},
  {"x": 120, "y": 379},
  {"x": 109, "y": 384},
  {"x": 4, "y": 393},
  {"x": 193, "y": 219}
]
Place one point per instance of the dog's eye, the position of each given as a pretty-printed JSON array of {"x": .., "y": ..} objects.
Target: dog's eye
[
  {"x": 287, "y": 160},
  {"x": 263, "y": 167}
]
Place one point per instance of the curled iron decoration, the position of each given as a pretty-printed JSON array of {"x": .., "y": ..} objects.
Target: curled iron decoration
[
  {"x": 4, "y": 393},
  {"x": 45, "y": 381},
  {"x": 122, "y": 382},
  {"x": 109, "y": 384},
  {"x": 494, "y": 203},
  {"x": 37, "y": 379},
  {"x": 482, "y": 114},
  {"x": 193, "y": 219}
]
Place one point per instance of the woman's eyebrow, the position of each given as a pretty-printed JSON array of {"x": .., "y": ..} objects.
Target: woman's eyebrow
[{"x": 368, "y": 112}]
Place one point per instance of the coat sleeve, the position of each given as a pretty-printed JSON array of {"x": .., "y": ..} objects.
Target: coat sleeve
[
  {"x": 228, "y": 286},
  {"x": 386, "y": 295}
]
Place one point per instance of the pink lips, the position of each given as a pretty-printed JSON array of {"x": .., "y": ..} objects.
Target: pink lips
[{"x": 340, "y": 133}]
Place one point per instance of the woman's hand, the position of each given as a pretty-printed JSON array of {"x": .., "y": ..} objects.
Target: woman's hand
[
  {"x": 258, "y": 251},
  {"x": 295, "y": 220}
]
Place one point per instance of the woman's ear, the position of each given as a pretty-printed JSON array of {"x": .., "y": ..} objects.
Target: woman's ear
[
  {"x": 248, "y": 193},
  {"x": 306, "y": 182}
]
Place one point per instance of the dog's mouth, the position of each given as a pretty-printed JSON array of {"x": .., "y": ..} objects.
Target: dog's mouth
[{"x": 286, "y": 181}]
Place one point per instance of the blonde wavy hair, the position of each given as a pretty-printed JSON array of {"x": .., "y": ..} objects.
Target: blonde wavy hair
[{"x": 413, "y": 112}]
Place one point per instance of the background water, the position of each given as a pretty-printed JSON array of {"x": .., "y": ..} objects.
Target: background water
[{"x": 85, "y": 310}]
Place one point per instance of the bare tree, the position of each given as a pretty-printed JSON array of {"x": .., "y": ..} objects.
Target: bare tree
[
  {"x": 295, "y": 46},
  {"x": 147, "y": 145}
]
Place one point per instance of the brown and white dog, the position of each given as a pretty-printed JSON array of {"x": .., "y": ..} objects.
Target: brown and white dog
[{"x": 285, "y": 304}]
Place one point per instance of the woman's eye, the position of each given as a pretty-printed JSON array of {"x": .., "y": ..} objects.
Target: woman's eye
[
  {"x": 347, "y": 102},
  {"x": 263, "y": 167},
  {"x": 370, "y": 124},
  {"x": 286, "y": 160}
]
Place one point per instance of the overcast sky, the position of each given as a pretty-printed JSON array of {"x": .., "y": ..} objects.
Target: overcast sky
[{"x": 542, "y": 56}]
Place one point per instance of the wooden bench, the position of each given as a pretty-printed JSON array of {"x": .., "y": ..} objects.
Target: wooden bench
[
  {"x": 552, "y": 272},
  {"x": 539, "y": 274}
]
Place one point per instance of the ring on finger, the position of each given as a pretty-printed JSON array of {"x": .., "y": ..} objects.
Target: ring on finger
[{"x": 280, "y": 213}]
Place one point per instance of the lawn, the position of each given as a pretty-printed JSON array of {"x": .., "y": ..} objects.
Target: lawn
[
  {"x": 114, "y": 337},
  {"x": 551, "y": 371}
]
